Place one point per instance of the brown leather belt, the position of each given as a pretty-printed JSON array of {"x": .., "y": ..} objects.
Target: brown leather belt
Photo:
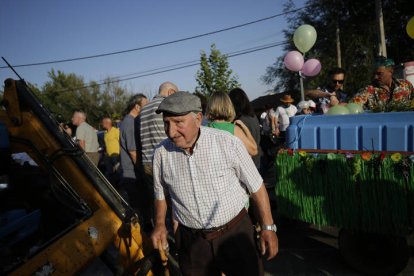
[{"x": 213, "y": 233}]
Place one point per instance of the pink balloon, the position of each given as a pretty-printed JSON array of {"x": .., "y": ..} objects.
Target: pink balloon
[
  {"x": 311, "y": 68},
  {"x": 294, "y": 61}
]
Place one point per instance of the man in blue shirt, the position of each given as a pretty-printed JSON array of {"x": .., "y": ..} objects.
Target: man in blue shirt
[
  {"x": 332, "y": 94},
  {"x": 131, "y": 185}
]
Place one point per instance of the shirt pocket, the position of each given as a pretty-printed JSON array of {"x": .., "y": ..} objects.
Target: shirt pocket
[
  {"x": 220, "y": 181},
  {"x": 176, "y": 183}
]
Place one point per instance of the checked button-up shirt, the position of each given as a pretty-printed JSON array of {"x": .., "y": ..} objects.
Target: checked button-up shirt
[{"x": 208, "y": 187}]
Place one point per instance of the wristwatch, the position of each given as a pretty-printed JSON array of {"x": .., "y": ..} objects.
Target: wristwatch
[{"x": 272, "y": 227}]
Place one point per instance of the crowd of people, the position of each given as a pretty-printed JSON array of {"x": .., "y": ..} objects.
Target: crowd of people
[{"x": 198, "y": 166}]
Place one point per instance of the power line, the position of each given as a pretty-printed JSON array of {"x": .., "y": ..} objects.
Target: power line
[
  {"x": 175, "y": 67},
  {"x": 274, "y": 44},
  {"x": 158, "y": 44}
]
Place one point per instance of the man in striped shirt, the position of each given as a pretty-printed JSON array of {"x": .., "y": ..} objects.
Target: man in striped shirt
[
  {"x": 206, "y": 173},
  {"x": 152, "y": 133},
  {"x": 152, "y": 126}
]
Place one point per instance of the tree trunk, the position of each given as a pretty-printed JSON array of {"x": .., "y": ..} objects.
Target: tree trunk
[
  {"x": 382, "y": 48},
  {"x": 338, "y": 48}
]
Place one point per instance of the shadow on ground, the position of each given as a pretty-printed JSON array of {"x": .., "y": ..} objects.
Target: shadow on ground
[{"x": 304, "y": 250}]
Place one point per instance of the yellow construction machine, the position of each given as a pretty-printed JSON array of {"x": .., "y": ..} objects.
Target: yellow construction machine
[{"x": 57, "y": 211}]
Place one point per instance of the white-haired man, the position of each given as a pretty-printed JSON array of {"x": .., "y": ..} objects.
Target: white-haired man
[
  {"x": 205, "y": 173},
  {"x": 86, "y": 136}
]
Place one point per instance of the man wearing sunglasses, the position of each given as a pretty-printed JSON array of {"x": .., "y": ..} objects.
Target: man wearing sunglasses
[{"x": 332, "y": 93}]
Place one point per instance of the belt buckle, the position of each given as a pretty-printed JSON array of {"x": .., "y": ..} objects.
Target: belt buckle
[
  {"x": 215, "y": 229},
  {"x": 220, "y": 229}
]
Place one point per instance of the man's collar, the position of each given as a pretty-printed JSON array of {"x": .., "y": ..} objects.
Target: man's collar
[
  {"x": 396, "y": 81},
  {"x": 159, "y": 96}
]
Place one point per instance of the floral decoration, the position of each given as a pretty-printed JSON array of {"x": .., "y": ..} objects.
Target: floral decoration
[
  {"x": 402, "y": 164},
  {"x": 366, "y": 156},
  {"x": 308, "y": 160},
  {"x": 396, "y": 157},
  {"x": 302, "y": 153}
]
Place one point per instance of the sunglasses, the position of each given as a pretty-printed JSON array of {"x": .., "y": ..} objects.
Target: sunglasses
[{"x": 338, "y": 81}]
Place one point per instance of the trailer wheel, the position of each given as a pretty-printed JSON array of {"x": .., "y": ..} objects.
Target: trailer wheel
[{"x": 374, "y": 254}]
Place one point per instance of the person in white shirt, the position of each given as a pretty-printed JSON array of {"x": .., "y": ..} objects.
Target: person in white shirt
[
  {"x": 304, "y": 108},
  {"x": 283, "y": 114},
  {"x": 208, "y": 176}
]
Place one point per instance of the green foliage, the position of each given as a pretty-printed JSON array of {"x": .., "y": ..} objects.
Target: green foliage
[
  {"x": 358, "y": 35},
  {"x": 64, "y": 93},
  {"x": 215, "y": 74},
  {"x": 352, "y": 192}
]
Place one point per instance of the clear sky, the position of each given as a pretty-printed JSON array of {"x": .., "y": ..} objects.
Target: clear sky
[{"x": 43, "y": 30}]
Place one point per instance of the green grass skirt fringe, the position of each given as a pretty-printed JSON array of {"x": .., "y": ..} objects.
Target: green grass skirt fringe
[{"x": 372, "y": 195}]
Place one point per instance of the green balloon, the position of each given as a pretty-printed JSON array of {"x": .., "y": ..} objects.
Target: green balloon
[
  {"x": 338, "y": 110},
  {"x": 304, "y": 38},
  {"x": 355, "y": 108}
]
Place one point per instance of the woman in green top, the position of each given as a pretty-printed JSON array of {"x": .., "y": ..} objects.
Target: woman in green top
[{"x": 220, "y": 113}]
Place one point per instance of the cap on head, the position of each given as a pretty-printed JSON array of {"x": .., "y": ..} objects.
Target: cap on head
[
  {"x": 384, "y": 62},
  {"x": 312, "y": 104},
  {"x": 180, "y": 103},
  {"x": 303, "y": 104}
]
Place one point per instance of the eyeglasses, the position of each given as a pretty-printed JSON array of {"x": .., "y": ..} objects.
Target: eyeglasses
[{"x": 338, "y": 81}]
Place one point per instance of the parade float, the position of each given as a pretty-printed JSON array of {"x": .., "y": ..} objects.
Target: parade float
[{"x": 354, "y": 172}]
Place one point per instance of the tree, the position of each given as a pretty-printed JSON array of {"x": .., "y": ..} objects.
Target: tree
[
  {"x": 114, "y": 98},
  {"x": 64, "y": 93},
  {"x": 215, "y": 74},
  {"x": 358, "y": 35}
]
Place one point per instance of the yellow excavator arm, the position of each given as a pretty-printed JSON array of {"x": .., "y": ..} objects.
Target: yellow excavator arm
[{"x": 108, "y": 218}]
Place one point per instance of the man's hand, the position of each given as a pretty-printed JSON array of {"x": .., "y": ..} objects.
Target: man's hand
[
  {"x": 334, "y": 100},
  {"x": 160, "y": 234},
  {"x": 82, "y": 144},
  {"x": 276, "y": 132},
  {"x": 269, "y": 243}
]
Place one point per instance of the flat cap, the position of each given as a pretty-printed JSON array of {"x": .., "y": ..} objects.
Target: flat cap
[{"x": 180, "y": 103}]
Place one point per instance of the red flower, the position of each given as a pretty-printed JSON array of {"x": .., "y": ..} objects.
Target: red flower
[
  {"x": 398, "y": 96},
  {"x": 383, "y": 97},
  {"x": 382, "y": 156},
  {"x": 290, "y": 152},
  {"x": 370, "y": 89},
  {"x": 358, "y": 100},
  {"x": 366, "y": 156}
]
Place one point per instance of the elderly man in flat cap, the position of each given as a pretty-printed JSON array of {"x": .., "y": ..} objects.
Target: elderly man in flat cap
[
  {"x": 386, "y": 93},
  {"x": 209, "y": 175}
]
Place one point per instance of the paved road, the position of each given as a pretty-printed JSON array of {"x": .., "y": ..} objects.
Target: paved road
[{"x": 305, "y": 250}]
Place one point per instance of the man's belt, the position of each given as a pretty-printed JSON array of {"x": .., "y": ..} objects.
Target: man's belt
[{"x": 213, "y": 233}]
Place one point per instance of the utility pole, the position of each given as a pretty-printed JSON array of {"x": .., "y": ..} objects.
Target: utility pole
[
  {"x": 338, "y": 47},
  {"x": 382, "y": 48}
]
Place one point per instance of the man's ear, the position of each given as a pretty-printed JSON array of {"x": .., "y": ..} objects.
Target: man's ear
[
  {"x": 170, "y": 92},
  {"x": 199, "y": 118}
]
